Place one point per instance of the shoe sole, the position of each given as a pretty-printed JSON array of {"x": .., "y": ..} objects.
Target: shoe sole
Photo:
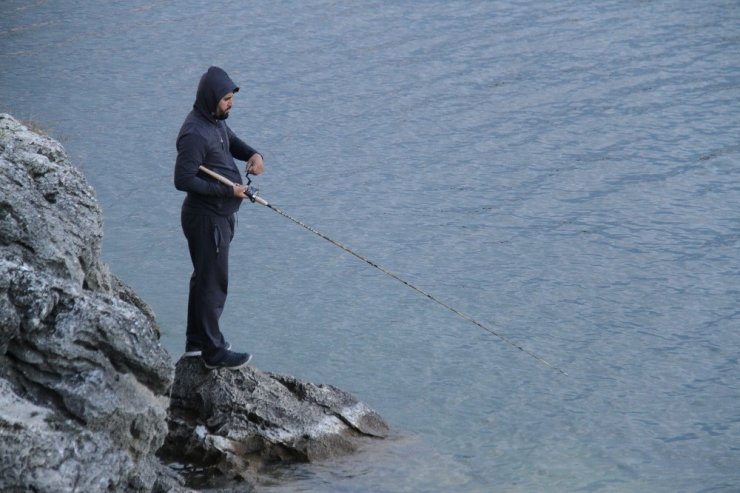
[
  {"x": 218, "y": 367},
  {"x": 192, "y": 354}
]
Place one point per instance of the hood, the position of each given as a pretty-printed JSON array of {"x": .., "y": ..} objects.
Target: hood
[{"x": 214, "y": 85}]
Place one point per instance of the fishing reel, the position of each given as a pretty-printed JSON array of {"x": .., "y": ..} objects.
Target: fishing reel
[{"x": 250, "y": 191}]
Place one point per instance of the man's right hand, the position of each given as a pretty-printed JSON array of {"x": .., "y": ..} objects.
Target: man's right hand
[{"x": 240, "y": 191}]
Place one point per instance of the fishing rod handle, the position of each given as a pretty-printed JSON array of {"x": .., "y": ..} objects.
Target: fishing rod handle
[{"x": 260, "y": 200}]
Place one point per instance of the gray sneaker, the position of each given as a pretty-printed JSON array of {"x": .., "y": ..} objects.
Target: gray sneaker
[{"x": 230, "y": 360}]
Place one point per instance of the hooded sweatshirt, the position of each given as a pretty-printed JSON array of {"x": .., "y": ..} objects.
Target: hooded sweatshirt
[{"x": 206, "y": 140}]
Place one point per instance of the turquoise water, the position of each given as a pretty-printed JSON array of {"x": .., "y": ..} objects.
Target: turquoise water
[{"x": 567, "y": 173}]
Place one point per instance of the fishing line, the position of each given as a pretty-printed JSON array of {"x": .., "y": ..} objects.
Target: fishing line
[{"x": 254, "y": 198}]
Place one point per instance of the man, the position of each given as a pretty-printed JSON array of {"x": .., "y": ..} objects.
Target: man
[{"x": 208, "y": 210}]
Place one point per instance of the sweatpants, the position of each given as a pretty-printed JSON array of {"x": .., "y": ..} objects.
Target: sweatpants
[{"x": 209, "y": 237}]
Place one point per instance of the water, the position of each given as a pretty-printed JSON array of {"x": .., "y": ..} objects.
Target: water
[{"x": 565, "y": 172}]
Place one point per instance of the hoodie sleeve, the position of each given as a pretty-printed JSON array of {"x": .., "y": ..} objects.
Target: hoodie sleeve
[
  {"x": 190, "y": 155},
  {"x": 238, "y": 148}
]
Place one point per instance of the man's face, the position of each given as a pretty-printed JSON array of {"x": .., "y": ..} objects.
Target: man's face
[{"x": 222, "y": 110}]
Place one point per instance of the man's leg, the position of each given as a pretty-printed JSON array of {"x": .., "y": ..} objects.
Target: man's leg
[{"x": 208, "y": 242}]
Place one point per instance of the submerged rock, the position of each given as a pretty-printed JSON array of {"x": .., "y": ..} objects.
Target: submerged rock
[{"x": 236, "y": 421}]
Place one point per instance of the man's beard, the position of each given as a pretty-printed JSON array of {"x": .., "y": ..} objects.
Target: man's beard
[{"x": 220, "y": 115}]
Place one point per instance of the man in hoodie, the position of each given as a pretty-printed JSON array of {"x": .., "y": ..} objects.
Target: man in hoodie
[{"x": 208, "y": 210}]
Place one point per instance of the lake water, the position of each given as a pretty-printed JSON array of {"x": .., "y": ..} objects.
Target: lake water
[{"x": 565, "y": 172}]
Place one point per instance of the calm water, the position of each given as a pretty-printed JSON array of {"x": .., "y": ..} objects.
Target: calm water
[{"x": 566, "y": 172}]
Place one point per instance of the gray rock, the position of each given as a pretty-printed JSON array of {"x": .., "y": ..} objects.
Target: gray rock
[
  {"x": 52, "y": 448},
  {"x": 84, "y": 382},
  {"x": 49, "y": 216},
  {"x": 238, "y": 420}
]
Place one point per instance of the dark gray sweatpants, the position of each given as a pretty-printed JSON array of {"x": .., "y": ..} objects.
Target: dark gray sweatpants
[{"x": 209, "y": 237}]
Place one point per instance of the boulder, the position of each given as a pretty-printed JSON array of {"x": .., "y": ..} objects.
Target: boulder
[
  {"x": 236, "y": 421},
  {"x": 84, "y": 383}
]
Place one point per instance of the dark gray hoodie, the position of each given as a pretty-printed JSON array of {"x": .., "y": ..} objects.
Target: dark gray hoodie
[{"x": 206, "y": 140}]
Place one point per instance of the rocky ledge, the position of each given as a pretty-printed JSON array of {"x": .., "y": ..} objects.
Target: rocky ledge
[
  {"x": 235, "y": 421},
  {"x": 89, "y": 400}
]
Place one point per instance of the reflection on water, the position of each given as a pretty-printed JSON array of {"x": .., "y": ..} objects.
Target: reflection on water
[{"x": 424, "y": 470}]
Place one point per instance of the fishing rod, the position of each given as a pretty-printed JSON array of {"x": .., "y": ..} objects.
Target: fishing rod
[{"x": 255, "y": 198}]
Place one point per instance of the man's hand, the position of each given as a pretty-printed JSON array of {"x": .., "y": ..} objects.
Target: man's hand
[
  {"x": 240, "y": 191},
  {"x": 255, "y": 165}
]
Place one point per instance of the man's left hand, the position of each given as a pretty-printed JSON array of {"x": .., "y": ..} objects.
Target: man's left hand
[{"x": 255, "y": 165}]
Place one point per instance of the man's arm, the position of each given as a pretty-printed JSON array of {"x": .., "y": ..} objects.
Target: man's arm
[
  {"x": 238, "y": 148},
  {"x": 190, "y": 155},
  {"x": 242, "y": 151}
]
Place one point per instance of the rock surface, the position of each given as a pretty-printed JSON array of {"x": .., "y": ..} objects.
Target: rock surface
[
  {"x": 84, "y": 383},
  {"x": 236, "y": 421}
]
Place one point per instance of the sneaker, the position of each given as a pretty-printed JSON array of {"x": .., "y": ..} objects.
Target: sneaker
[
  {"x": 230, "y": 360},
  {"x": 193, "y": 349}
]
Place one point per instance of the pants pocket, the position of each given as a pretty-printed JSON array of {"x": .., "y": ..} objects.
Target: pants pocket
[{"x": 217, "y": 237}]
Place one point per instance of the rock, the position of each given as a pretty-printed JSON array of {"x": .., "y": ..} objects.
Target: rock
[
  {"x": 84, "y": 382},
  {"x": 235, "y": 421},
  {"x": 49, "y": 216}
]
